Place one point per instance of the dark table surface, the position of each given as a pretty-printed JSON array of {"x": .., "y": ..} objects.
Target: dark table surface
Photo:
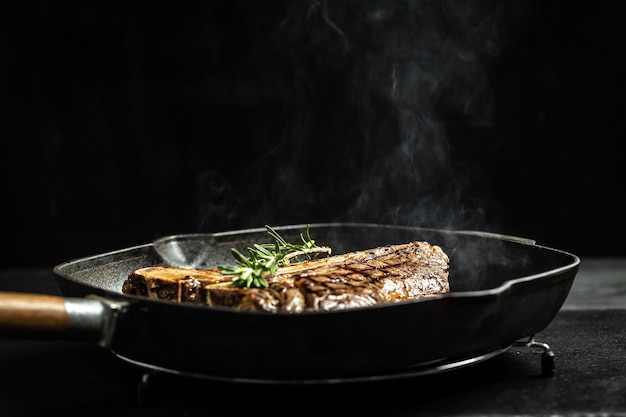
[{"x": 587, "y": 337}]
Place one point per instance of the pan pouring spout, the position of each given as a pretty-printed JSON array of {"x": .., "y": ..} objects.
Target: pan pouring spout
[{"x": 184, "y": 251}]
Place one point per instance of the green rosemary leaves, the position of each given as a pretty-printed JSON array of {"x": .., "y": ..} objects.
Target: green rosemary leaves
[{"x": 265, "y": 259}]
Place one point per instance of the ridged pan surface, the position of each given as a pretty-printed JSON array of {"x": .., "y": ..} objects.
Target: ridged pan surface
[{"x": 502, "y": 289}]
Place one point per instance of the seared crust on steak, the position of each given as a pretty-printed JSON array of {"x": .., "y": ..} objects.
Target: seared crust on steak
[{"x": 384, "y": 274}]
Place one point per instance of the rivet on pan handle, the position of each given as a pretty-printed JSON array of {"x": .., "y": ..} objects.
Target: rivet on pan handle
[{"x": 114, "y": 309}]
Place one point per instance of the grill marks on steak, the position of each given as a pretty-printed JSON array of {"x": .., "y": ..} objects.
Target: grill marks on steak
[{"x": 384, "y": 274}]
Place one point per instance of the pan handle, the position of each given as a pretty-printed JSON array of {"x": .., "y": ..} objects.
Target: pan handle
[{"x": 38, "y": 316}]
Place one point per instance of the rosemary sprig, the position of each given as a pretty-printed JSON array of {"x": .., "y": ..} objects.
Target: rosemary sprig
[{"x": 264, "y": 259}]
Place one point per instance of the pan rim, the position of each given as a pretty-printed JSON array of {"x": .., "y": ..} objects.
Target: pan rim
[{"x": 504, "y": 287}]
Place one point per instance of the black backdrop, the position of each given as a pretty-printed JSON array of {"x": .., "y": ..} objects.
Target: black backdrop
[{"x": 122, "y": 123}]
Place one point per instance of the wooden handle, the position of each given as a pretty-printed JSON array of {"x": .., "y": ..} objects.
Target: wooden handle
[{"x": 32, "y": 314}]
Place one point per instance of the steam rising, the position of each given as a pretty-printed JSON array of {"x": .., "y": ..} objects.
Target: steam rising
[{"x": 357, "y": 100}]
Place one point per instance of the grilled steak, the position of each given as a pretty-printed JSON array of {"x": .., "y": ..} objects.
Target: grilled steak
[{"x": 384, "y": 274}]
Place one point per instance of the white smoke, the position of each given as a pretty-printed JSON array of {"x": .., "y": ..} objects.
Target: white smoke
[{"x": 366, "y": 93}]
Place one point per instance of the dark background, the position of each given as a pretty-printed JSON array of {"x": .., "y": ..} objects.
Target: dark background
[{"x": 122, "y": 123}]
